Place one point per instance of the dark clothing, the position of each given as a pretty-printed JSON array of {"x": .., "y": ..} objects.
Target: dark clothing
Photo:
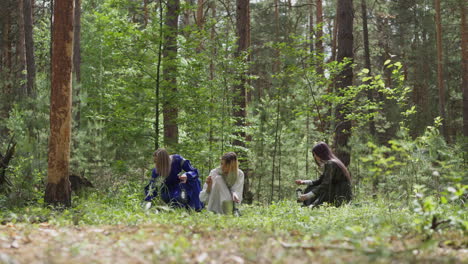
[
  {"x": 171, "y": 187},
  {"x": 332, "y": 187}
]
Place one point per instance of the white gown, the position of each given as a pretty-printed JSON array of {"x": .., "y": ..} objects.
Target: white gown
[{"x": 220, "y": 191}]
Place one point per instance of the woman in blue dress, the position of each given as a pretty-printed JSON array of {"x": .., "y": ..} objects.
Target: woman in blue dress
[{"x": 175, "y": 188}]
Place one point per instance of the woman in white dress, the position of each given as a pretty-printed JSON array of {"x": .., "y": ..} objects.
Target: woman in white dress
[{"x": 224, "y": 186}]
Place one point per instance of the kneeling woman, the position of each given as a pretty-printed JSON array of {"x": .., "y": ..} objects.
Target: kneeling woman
[
  {"x": 333, "y": 186},
  {"x": 223, "y": 186},
  {"x": 176, "y": 190}
]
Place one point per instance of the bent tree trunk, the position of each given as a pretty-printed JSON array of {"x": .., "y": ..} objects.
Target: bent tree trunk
[{"x": 58, "y": 191}]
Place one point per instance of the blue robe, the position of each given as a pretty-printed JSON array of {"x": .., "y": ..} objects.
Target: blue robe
[{"x": 172, "y": 186}]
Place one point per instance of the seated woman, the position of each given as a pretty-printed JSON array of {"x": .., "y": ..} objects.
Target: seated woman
[
  {"x": 223, "y": 186},
  {"x": 177, "y": 190},
  {"x": 333, "y": 186}
]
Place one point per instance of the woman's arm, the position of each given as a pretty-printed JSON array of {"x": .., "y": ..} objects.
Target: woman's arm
[
  {"x": 190, "y": 171},
  {"x": 324, "y": 182},
  {"x": 238, "y": 187}
]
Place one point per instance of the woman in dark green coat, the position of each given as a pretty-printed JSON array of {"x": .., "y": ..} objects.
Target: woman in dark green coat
[{"x": 333, "y": 186}]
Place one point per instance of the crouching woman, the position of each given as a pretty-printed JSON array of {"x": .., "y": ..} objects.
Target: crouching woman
[
  {"x": 223, "y": 187},
  {"x": 333, "y": 186},
  {"x": 178, "y": 185}
]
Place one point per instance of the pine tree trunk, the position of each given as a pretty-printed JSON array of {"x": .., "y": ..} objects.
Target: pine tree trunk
[
  {"x": 77, "y": 61},
  {"x": 170, "y": 111},
  {"x": 240, "y": 98},
  {"x": 29, "y": 41},
  {"x": 440, "y": 69},
  {"x": 6, "y": 65},
  {"x": 367, "y": 61},
  {"x": 20, "y": 53},
  {"x": 319, "y": 39},
  {"x": 464, "y": 49},
  {"x": 311, "y": 27},
  {"x": 58, "y": 190},
  {"x": 345, "y": 50}
]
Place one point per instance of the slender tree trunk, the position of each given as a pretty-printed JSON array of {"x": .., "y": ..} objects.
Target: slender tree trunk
[
  {"x": 240, "y": 98},
  {"x": 345, "y": 51},
  {"x": 200, "y": 16},
  {"x": 367, "y": 61},
  {"x": 20, "y": 53},
  {"x": 145, "y": 11},
  {"x": 335, "y": 36},
  {"x": 319, "y": 39},
  {"x": 77, "y": 61},
  {"x": 6, "y": 63},
  {"x": 170, "y": 72},
  {"x": 464, "y": 49},
  {"x": 158, "y": 77},
  {"x": 29, "y": 41},
  {"x": 311, "y": 27},
  {"x": 58, "y": 190},
  {"x": 440, "y": 69}
]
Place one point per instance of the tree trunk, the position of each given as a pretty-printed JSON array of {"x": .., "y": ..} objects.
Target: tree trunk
[
  {"x": 20, "y": 53},
  {"x": 319, "y": 38},
  {"x": 464, "y": 49},
  {"x": 29, "y": 41},
  {"x": 335, "y": 36},
  {"x": 440, "y": 69},
  {"x": 240, "y": 97},
  {"x": 58, "y": 190},
  {"x": 200, "y": 17},
  {"x": 170, "y": 111},
  {"x": 367, "y": 62},
  {"x": 6, "y": 65},
  {"x": 311, "y": 27},
  {"x": 345, "y": 50},
  {"x": 77, "y": 61}
]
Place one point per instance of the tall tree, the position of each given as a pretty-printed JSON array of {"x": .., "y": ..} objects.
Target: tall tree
[
  {"x": 58, "y": 189},
  {"x": 345, "y": 52},
  {"x": 240, "y": 98},
  {"x": 170, "y": 111},
  {"x": 464, "y": 49},
  {"x": 77, "y": 61},
  {"x": 367, "y": 62},
  {"x": 29, "y": 41},
  {"x": 20, "y": 51},
  {"x": 440, "y": 68},
  {"x": 6, "y": 63},
  {"x": 319, "y": 37}
]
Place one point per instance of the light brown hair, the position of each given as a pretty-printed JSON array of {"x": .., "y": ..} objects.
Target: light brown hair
[{"x": 162, "y": 162}]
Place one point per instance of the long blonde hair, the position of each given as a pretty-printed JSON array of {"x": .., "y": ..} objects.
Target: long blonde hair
[{"x": 162, "y": 162}]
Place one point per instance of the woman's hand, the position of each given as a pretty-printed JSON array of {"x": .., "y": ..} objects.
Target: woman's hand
[
  {"x": 209, "y": 183},
  {"x": 183, "y": 178},
  {"x": 235, "y": 198},
  {"x": 299, "y": 182},
  {"x": 302, "y": 198}
]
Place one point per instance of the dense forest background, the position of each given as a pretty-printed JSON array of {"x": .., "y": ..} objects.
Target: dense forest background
[{"x": 386, "y": 88}]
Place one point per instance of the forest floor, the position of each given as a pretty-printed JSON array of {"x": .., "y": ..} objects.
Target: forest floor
[
  {"x": 159, "y": 243},
  {"x": 115, "y": 228},
  {"x": 191, "y": 243}
]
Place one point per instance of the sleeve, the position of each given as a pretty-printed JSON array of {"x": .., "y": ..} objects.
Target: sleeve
[
  {"x": 204, "y": 194},
  {"x": 238, "y": 186},
  {"x": 190, "y": 171},
  {"x": 150, "y": 189},
  {"x": 325, "y": 180}
]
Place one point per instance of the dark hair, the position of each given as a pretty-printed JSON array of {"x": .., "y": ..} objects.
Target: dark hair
[
  {"x": 323, "y": 151},
  {"x": 229, "y": 157}
]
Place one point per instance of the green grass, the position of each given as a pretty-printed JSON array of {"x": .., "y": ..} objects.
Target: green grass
[{"x": 103, "y": 227}]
